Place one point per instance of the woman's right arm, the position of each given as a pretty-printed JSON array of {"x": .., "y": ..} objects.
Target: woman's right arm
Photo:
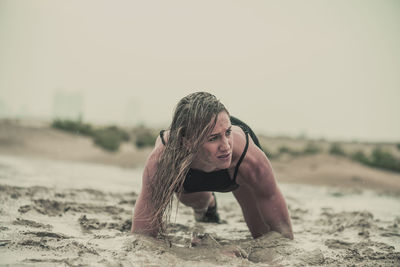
[{"x": 142, "y": 222}]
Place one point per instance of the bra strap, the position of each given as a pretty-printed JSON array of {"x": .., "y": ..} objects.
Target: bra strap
[
  {"x": 162, "y": 136},
  {"x": 242, "y": 156}
]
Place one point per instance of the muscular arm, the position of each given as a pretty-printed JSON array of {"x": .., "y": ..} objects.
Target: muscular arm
[
  {"x": 273, "y": 209},
  {"x": 257, "y": 174},
  {"x": 142, "y": 222}
]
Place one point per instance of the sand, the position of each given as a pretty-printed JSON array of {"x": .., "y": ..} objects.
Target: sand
[{"x": 73, "y": 212}]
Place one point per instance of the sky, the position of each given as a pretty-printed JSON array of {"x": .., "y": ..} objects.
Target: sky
[{"x": 322, "y": 69}]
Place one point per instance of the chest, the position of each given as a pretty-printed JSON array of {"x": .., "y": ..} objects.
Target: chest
[{"x": 217, "y": 181}]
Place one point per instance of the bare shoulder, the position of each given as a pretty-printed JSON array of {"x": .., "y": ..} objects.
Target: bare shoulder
[
  {"x": 239, "y": 143},
  {"x": 254, "y": 155},
  {"x": 256, "y": 169},
  {"x": 152, "y": 160}
]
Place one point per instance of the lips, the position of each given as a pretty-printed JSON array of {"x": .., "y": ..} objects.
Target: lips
[{"x": 224, "y": 156}]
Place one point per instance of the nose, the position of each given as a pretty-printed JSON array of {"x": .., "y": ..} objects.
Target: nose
[{"x": 224, "y": 146}]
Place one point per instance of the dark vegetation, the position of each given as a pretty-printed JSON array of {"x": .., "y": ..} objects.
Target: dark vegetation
[
  {"x": 309, "y": 149},
  {"x": 378, "y": 158},
  {"x": 144, "y": 136},
  {"x": 109, "y": 137},
  {"x": 337, "y": 150},
  {"x": 77, "y": 127}
]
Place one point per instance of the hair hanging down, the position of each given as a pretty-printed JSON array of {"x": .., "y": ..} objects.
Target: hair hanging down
[{"x": 190, "y": 127}]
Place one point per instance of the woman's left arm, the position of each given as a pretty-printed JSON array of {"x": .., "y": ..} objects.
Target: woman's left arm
[{"x": 259, "y": 176}]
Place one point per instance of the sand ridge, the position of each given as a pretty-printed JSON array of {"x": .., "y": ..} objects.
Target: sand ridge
[{"x": 38, "y": 140}]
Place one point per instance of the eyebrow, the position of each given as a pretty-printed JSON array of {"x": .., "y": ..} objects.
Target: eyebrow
[{"x": 217, "y": 134}]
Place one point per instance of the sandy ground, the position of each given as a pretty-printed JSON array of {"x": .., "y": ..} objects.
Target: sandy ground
[{"x": 65, "y": 202}]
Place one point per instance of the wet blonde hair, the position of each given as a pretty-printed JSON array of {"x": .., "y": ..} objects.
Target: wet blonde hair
[{"x": 194, "y": 119}]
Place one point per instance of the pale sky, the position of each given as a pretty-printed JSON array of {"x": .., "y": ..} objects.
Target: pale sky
[{"x": 322, "y": 68}]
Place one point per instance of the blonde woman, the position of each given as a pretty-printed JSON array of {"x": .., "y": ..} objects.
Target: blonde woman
[{"x": 206, "y": 150}]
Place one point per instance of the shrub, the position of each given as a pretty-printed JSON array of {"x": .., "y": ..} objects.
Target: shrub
[
  {"x": 107, "y": 138},
  {"x": 360, "y": 157},
  {"x": 379, "y": 158},
  {"x": 145, "y": 137},
  {"x": 384, "y": 159},
  {"x": 287, "y": 150},
  {"x": 123, "y": 135},
  {"x": 336, "y": 149},
  {"x": 72, "y": 126},
  {"x": 312, "y": 148},
  {"x": 398, "y": 146},
  {"x": 284, "y": 149}
]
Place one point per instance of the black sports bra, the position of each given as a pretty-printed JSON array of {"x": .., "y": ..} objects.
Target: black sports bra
[{"x": 216, "y": 181}]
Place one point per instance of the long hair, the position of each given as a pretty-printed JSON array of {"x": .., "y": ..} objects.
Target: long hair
[{"x": 194, "y": 119}]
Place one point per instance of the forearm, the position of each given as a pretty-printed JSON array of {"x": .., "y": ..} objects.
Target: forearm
[
  {"x": 143, "y": 227},
  {"x": 274, "y": 212},
  {"x": 142, "y": 222}
]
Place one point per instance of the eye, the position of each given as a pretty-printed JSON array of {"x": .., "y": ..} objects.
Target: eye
[
  {"x": 212, "y": 139},
  {"x": 229, "y": 132}
]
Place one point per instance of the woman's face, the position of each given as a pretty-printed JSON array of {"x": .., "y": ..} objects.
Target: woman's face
[{"x": 216, "y": 153}]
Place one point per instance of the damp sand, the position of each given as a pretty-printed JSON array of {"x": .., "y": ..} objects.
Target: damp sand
[{"x": 70, "y": 214}]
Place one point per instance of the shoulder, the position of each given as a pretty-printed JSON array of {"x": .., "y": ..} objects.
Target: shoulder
[
  {"x": 239, "y": 143},
  {"x": 254, "y": 155},
  {"x": 153, "y": 158},
  {"x": 256, "y": 169}
]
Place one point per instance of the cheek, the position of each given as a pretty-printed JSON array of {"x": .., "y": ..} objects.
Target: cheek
[
  {"x": 207, "y": 150},
  {"x": 211, "y": 149}
]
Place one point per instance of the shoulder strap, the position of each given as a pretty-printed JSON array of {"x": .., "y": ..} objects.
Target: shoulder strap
[
  {"x": 162, "y": 136},
  {"x": 242, "y": 156}
]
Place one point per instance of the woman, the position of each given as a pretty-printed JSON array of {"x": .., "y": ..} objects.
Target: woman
[{"x": 206, "y": 150}]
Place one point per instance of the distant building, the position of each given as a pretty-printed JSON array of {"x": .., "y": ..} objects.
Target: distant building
[{"x": 67, "y": 105}]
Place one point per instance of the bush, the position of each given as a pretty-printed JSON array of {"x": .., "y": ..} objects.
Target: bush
[
  {"x": 145, "y": 137},
  {"x": 123, "y": 135},
  {"x": 336, "y": 149},
  {"x": 72, "y": 126},
  {"x": 287, "y": 150},
  {"x": 398, "y": 146},
  {"x": 108, "y": 139},
  {"x": 312, "y": 148},
  {"x": 284, "y": 149},
  {"x": 379, "y": 158},
  {"x": 385, "y": 160},
  {"x": 360, "y": 157}
]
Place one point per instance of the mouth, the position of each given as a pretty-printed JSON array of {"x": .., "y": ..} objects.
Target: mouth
[{"x": 225, "y": 156}]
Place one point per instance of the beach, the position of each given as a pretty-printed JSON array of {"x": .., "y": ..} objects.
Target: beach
[{"x": 64, "y": 201}]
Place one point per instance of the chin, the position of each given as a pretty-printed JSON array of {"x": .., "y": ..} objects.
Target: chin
[
  {"x": 223, "y": 164},
  {"x": 226, "y": 165}
]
